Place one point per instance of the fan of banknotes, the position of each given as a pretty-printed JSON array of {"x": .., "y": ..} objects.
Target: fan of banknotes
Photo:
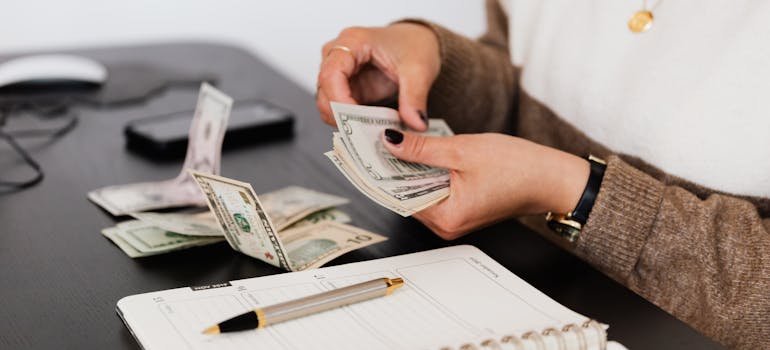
[
  {"x": 293, "y": 228},
  {"x": 401, "y": 186}
]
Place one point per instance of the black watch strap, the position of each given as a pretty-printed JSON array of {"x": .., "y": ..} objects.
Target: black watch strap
[{"x": 586, "y": 202}]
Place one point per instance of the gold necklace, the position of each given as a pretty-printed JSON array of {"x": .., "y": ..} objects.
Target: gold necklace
[{"x": 641, "y": 21}]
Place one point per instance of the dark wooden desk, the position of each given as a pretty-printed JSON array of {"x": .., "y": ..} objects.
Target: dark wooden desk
[{"x": 61, "y": 278}]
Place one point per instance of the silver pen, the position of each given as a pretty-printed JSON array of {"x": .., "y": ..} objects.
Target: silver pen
[{"x": 307, "y": 305}]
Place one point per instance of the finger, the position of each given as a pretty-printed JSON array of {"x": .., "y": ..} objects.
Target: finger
[
  {"x": 336, "y": 69},
  {"x": 413, "y": 88},
  {"x": 440, "y": 152},
  {"x": 370, "y": 84},
  {"x": 335, "y": 85},
  {"x": 322, "y": 102}
]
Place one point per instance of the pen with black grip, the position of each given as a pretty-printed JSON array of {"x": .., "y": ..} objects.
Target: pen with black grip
[{"x": 307, "y": 305}]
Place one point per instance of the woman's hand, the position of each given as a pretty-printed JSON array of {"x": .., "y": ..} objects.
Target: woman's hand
[
  {"x": 402, "y": 59},
  {"x": 493, "y": 177}
]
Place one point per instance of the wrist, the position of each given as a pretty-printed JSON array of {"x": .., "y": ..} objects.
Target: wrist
[
  {"x": 569, "y": 176},
  {"x": 569, "y": 223}
]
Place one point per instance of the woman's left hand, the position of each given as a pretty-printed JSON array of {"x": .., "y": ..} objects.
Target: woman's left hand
[{"x": 493, "y": 177}]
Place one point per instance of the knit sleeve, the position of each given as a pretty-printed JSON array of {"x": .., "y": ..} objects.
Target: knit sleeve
[
  {"x": 475, "y": 90},
  {"x": 706, "y": 261}
]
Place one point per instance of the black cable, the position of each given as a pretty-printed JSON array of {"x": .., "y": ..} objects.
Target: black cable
[
  {"x": 72, "y": 121},
  {"x": 10, "y": 137},
  {"x": 28, "y": 159},
  {"x": 57, "y": 108}
]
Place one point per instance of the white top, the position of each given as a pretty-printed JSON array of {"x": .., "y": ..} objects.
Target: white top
[{"x": 690, "y": 96}]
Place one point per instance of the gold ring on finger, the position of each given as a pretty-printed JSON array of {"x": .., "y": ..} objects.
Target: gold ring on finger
[{"x": 343, "y": 48}]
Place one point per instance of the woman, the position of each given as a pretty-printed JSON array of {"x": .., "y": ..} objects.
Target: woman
[{"x": 681, "y": 211}]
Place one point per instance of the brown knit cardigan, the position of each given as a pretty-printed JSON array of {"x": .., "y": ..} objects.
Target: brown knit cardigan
[{"x": 701, "y": 255}]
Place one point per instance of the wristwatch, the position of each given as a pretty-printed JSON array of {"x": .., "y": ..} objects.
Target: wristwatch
[{"x": 570, "y": 224}]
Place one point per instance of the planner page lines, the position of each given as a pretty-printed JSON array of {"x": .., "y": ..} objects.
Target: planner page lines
[
  {"x": 494, "y": 307},
  {"x": 405, "y": 319}
]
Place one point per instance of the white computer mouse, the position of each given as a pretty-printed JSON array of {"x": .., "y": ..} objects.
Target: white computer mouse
[{"x": 40, "y": 71}]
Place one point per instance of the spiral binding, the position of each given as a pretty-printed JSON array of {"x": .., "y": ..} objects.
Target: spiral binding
[
  {"x": 559, "y": 337},
  {"x": 599, "y": 331},
  {"x": 538, "y": 338},
  {"x": 582, "y": 341}
]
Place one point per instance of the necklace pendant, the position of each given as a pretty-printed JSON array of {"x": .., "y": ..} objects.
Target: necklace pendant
[{"x": 640, "y": 22}]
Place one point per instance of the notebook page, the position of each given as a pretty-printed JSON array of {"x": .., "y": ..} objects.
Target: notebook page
[{"x": 451, "y": 295}]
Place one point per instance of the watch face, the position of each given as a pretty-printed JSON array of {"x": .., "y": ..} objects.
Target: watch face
[{"x": 566, "y": 230}]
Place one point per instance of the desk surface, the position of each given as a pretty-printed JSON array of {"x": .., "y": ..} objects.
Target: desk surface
[{"x": 61, "y": 278}]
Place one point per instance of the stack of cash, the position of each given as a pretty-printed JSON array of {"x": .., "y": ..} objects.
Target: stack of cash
[
  {"x": 358, "y": 153},
  {"x": 158, "y": 233}
]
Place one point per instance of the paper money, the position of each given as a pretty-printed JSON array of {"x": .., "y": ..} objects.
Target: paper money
[
  {"x": 290, "y": 204},
  {"x": 157, "y": 233},
  {"x": 162, "y": 233},
  {"x": 112, "y": 234},
  {"x": 139, "y": 239},
  {"x": 361, "y": 130},
  {"x": 249, "y": 229},
  {"x": 312, "y": 246},
  {"x": 401, "y": 186},
  {"x": 332, "y": 214},
  {"x": 205, "y": 224},
  {"x": 243, "y": 219},
  {"x": 203, "y": 154}
]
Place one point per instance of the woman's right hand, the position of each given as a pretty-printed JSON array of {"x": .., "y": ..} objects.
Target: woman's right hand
[{"x": 402, "y": 59}]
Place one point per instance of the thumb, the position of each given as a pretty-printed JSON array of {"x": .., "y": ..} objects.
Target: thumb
[
  {"x": 413, "y": 99},
  {"x": 430, "y": 150}
]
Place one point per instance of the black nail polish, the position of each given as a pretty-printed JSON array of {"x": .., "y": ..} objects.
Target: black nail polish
[
  {"x": 393, "y": 136},
  {"x": 423, "y": 116}
]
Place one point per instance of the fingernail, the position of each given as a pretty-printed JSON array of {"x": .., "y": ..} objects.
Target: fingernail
[
  {"x": 424, "y": 117},
  {"x": 393, "y": 136}
]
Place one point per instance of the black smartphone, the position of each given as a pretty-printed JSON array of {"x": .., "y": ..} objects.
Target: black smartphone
[{"x": 251, "y": 121}]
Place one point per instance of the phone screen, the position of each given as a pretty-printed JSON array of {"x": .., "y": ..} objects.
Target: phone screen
[{"x": 177, "y": 126}]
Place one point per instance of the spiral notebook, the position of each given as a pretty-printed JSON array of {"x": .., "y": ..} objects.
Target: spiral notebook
[{"x": 453, "y": 298}]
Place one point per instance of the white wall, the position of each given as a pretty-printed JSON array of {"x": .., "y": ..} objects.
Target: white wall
[{"x": 288, "y": 34}]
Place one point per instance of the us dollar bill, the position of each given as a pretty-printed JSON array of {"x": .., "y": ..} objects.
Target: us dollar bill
[
  {"x": 201, "y": 225},
  {"x": 313, "y": 245},
  {"x": 249, "y": 229},
  {"x": 358, "y": 153},
  {"x": 139, "y": 239},
  {"x": 360, "y": 130},
  {"x": 290, "y": 204},
  {"x": 205, "y": 224},
  {"x": 112, "y": 234},
  {"x": 158, "y": 233},
  {"x": 163, "y": 234},
  {"x": 373, "y": 193},
  {"x": 207, "y": 130},
  {"x": 244, "y": 221},
  {"x": 332, "y": 214}
]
